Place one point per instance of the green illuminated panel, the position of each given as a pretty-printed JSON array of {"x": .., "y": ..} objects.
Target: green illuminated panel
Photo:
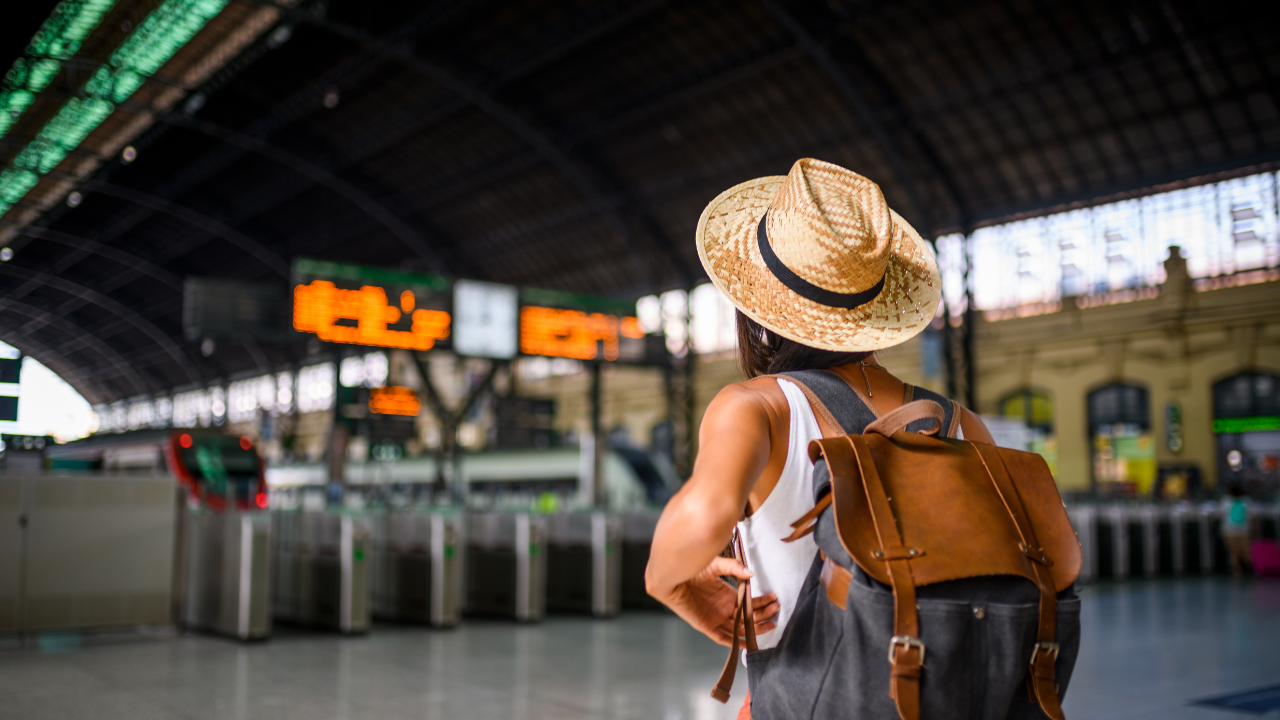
[
  {"x": 1262, "y": 423},
  {"x": 58, "y": 39},
  {"x": 572, "y": 301},
  {"x": 161, "y": 34},
  {"x": 306, "y": 269}
]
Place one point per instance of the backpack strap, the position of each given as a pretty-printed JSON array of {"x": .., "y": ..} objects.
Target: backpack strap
[
  {"x": 1044, "y": 655},
  {"x": 839, "y": 401},
  {"x": 898, "y": 419},
  {"x": 906, "y": 650},
  {"x": 744, "y": 624},
  {"x": 974, "y": 429}
]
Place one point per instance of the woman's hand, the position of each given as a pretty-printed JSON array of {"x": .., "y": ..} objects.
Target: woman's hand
[{"x": 707, "y": 602}]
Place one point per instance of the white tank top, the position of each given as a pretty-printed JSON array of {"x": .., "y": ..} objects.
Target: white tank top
[{"x": 782, "y": 567}]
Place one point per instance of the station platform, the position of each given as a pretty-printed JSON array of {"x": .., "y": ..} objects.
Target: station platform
[{"x": 1150, "y": 648}]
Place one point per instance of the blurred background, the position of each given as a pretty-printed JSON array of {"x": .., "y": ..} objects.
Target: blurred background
[{"x": 340, "y": 323}]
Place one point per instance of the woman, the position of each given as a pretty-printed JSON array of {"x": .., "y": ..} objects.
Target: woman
[
  {"x": 1235, "y": 528},
  {"x": 823, "y": 274}
]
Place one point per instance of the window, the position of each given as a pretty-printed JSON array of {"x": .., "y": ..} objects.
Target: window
[
  {"x": 1223, "y": 228},
  {"x": 1246, "y": 423},
  {"x": 1124, "y": 459},
  {"x": 1034, "y": 408}
]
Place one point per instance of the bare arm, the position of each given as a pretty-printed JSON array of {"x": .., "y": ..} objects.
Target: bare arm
[{"x": 684, "y": 563}]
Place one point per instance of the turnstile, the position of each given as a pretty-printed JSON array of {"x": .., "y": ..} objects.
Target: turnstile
[
  {"x": 637, "y": 537},
  {"x": 414, "y": 568},
  {"x": 1150, "y": 540},
  {"x": 320, "y": 569},
  {"x": 227, "y": 559},
  {"x": 506, "y": 565},
  {"x": 584, "y": 563}
]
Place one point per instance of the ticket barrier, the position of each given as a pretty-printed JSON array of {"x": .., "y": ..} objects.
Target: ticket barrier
[
  {"x": 227, "y": 572},
  {"x": 584, "y": 563},
  {"x": 506, "y": 565},
  {"x": 321, "y": 575},
  {"x": 1149, "y": 540},
  {"x": 414, "y": 566},
  {"x": 637, "y": 537}
]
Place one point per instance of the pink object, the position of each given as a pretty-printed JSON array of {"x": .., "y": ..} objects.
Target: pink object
[{"x": 1266, "y": 558}]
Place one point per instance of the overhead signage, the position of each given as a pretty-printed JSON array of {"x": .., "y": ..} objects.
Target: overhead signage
[
  {"x": 558, "y": 324},
  {"x": 1260, "y": 423},
  {"x": 358, "y": 305},
  {"x": 394, "y": 400},
  {"x": 485, "y": 319}
]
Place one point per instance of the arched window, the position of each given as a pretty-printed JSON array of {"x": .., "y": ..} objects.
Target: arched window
[
  {"x": 1034, "y": 408},
  {"x": 1124, "y": 457},
  {"x": 1246, "y": 421}
]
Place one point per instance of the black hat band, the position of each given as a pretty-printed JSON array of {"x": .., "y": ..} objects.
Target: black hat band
[{"x": 806, "y": 289}]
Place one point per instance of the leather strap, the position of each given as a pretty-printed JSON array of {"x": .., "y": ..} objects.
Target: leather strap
[
  {"x": 906, "y": 651},
  {"x": 836, "y": 580},
  {"x": 955, "y": 419},
  {"x": 1040, "y": 680},
  {"x": 809, "y": 521},
  {"x": 974, "y": 429},
  {"x": 744, "y": 624},
  {"x": 897, "y": 420}
]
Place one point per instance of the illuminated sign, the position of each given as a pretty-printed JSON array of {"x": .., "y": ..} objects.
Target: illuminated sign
[
  {"x": 358, "y": 305},
  {"x": 394, "y": 400},
  {"x": 556, "y": 324},
  {"x": 1261, "y": 423}
]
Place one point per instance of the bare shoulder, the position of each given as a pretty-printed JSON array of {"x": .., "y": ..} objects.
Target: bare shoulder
[{"x": 759, "y": 398}]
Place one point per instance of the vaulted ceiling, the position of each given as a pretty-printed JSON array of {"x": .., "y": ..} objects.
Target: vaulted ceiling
[{"x": 573, "y": 144}]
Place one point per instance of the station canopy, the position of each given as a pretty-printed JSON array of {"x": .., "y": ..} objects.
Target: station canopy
[{"x": 151, "y": 145}]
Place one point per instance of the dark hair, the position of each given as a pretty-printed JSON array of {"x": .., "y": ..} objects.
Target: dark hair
[{"x": 764, "y": 352}]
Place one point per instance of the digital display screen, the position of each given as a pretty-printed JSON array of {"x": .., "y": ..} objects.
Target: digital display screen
[
  {"x": 555, "y": 324},
  {"x": 485, "y": 319},
  {"x": 394, "y": 400},
  {"x": 358, "y": 305}
]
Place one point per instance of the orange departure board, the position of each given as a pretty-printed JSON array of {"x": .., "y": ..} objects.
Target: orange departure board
[
  {"x": 394, "y": 400},
  {"x": 576, "y": 334},
  {"x": 356, "y": 305}
]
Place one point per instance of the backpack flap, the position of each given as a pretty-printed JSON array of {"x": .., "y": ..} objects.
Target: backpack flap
[{"x": 945, "y": 507}]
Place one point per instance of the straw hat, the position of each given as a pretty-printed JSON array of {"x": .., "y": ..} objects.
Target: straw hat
[{"x": 818, "y": 257}]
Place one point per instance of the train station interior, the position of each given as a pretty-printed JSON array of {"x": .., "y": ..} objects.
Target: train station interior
[{"x": 350, "y": 351}]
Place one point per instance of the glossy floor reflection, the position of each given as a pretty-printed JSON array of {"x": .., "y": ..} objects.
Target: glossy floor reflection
[{"x": 1149, "y": 649}]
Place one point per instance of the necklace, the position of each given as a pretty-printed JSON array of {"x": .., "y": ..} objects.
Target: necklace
[{"x": 863, "y": 367}]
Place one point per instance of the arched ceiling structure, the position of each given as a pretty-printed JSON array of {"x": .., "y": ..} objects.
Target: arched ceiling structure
[{"x": 572, "y": 145}]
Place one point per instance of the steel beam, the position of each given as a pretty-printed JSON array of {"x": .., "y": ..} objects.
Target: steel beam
[
  {"x": 854, "y": 96},
  {"x": 78, "y": 334},
  {"x": 88, "y": 386},
  {"x": 209, "y": 224},
  {"x": 518, "y": 126},
  {"x": 112, "y": 306},
  {"x": 325, "y": 178},
  {"x": 126, "y": 259}
]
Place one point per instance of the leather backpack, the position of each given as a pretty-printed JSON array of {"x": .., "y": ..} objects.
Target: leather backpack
[{"x": 943, "y": 586}]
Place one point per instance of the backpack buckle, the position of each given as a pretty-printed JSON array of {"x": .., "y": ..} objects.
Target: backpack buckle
[
  {"x": 1048, "y": 647},
  {"x": 905, "y": 641}
]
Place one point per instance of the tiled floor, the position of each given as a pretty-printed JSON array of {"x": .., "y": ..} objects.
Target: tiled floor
[{"x": 1148, "y": 649}]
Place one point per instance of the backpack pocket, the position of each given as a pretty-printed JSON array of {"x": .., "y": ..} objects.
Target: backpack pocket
[{"x": 834, "y": 664}]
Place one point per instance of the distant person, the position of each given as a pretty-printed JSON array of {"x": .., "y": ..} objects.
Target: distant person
[
  {"x": 823, "y": 274},
  {"x": 1235, "y": 528}
]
